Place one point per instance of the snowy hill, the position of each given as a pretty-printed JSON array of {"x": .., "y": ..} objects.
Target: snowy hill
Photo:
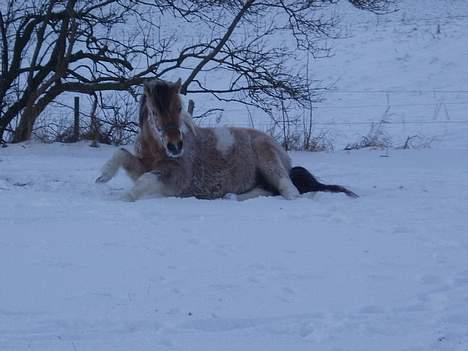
[{"x": 406, "y": 68}]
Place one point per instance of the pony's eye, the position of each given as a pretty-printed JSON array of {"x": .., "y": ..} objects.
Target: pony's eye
[{"x": 179, "y": 109}]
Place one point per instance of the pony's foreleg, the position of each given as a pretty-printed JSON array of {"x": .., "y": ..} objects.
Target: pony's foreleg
[
  {"x": 148, "y": 183},
  {"x": 121, "y": 158}
]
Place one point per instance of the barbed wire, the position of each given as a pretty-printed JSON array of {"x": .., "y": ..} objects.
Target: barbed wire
[
  {"x": 405, "y": 21},
  {"x": 347, "y": 123},
  {"x": 394, "y": 119},
  {"x": 383, "y": 105},
  {"x": 397, "y": 91}
]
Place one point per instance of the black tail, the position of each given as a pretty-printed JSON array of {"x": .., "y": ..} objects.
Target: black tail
[{"x": 305, "y": 182}]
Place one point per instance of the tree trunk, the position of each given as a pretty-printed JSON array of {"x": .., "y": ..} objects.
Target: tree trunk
[
  {"x": 2, "y": 130},
  {"x": 31, "y": 112},
  {"x": 24, "y": 130}
]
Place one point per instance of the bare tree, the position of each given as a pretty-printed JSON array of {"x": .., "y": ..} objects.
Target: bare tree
[{"x": 54, "y": 47}]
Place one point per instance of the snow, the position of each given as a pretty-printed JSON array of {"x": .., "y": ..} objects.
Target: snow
[
  {"x": 82, "y": 270},
  {"x": 405, "y": 68}
]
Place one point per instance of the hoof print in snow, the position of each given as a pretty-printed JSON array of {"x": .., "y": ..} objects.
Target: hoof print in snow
[{"x": 22, "y": 184}]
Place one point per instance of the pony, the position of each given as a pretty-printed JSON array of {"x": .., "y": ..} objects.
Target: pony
[{"x": 174, "y": 157}]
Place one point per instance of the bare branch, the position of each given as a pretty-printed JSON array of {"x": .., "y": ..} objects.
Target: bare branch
[{"x": 217, "y": 49}]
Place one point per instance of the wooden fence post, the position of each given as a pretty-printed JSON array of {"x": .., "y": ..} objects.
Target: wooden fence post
[{"x": 76, "y": 123}]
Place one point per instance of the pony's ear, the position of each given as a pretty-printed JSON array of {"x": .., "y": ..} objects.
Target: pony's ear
[
  {"x": 178, "y": 85},
  {"x": 147, "y": 88}
]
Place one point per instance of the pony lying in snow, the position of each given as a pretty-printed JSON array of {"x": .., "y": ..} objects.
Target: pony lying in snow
[{"x": 176, "y": 158}]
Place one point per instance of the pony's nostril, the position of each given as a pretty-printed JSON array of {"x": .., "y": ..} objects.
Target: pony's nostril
[
  {"x": 172, "y": 148},
  {"x": 175, "y": 149}
]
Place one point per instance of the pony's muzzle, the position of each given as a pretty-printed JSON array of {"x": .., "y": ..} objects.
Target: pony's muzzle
[{"x": 175, "y": 149}]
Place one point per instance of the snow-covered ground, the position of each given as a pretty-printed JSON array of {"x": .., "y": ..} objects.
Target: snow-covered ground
[{"x": 81, "y": 270}]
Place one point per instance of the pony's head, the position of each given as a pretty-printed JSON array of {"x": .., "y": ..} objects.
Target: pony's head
[{"x": 165, "y": 115}]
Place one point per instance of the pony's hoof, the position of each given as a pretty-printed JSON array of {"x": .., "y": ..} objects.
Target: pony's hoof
[
  {"x": 128, "y": 197},
  {"x": 103, "y": 178},
  {"x": 291, "y": 195},
  {"x": 230, "y": 196}
]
